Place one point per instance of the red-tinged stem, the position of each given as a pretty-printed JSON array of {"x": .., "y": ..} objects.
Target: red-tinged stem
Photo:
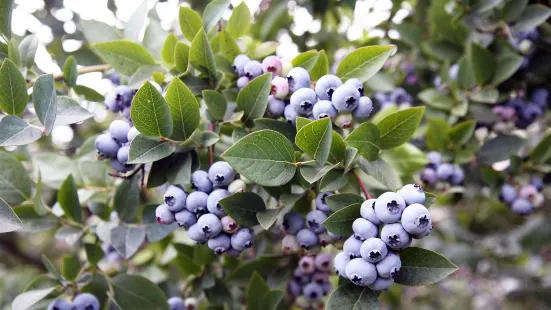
[
  {"x": 362, "y": 186},
  {"x": 211, "y": 151}
]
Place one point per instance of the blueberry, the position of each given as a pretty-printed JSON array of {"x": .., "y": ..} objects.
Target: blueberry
[
  {"x": 364, "y": 109},
  {"x": 345, "y": 98},
  {"x": 313, "y": 292},
  {"x": 323, "y": 109},
  {"x": 389, "y": 207},
  {"x": 373, "y": 250},
  {"x": 320, "y": 277},
  {"x": 361, "y": 272},
  {"x": 321, "y": 204},
  {"x": 294, "y": 288},
  {"x": 292, "y": 223},
  {"x": 106, "y": 146},
  {"x": 212, "y": 202},
  {"x": 416, "y": 219},
  {"x": 382, "y": 98},
  {"x": 123, "y": 153},
  {"x": 242, "y": 239},
  {"x": 185, "y": 218},
  {"x": 300, "y": 276},
  {"x": 253, "y": 69},
  {"x": 209, "y": 225},
  {"x": 242, "y": 82},
  {"x": 59, "y": 304},
  {"x": 290, "y": 114},
  {"x": 314, "y": 220},
  {"x": 229, "y": 225},
  {"x": 219, "y": 244},
  {"x": 508, "y": 193},
  {"x": 367, "y": 211},
  {"x": 364, "y": 229},
  {"x": 231, "y": 252},
  {"x": 111, "y": 103},
  {"x": 357, "y": 84},
  {"x": 352, "y": 247},
  {"x": 390, "y": 266},
  {"x": 200, "y": 181},
  {"x": 326, "y": 288},
  {"x": 537, "y": 183},
  {"x": 194, "y": 233},
  {"x": 340, "y": 262},
  {"x": 412, "y": 193},
  {"x": 303, "y": 100},
  {"x": 132, "y": 133},
  {"x": 119, "y": 131},
  {"x": 444, "y": 172},
  {"x": 434, "y": 158},
  {"x": 400, "y": 95},
  {"x": 522, "y": 206},
  {"x": 289, "y": 244},
  {"x": 239, "y": 63},
  {"x": 298, "y": 78},
  {"x": 221, "y": 173},
  {"x": 531, "y": 112},
  {"x": 458, "y": 176},
  {"x": 175, "y": 198},
  {"x": 196, "y": 202},
  {"x": 176, "y": 303},
  {"x": 324, "y": 239},
  {"x": 120, "y": 167},
  {"x": 528, "y": 191},
  {"x": 323, "y": 262},
  {"x": 428, "y": 176},
  {"x": 381, "y": 284},
  {"x": 123, "y": 95},
  {"x": 306, "y": 264},
  {"x": 326, "y": 85},
  {"x": 273, "y": 65},
  {"x": 126, "y": 113},
  {"x": 540, "y": 97},
  {"x": 86, "y": 301},
  {"x": 306, "y": 238},
  {"x": 280, "y": 87},
  {"x": 114, "y": 77},
  {"x": 163, "y": 215},
  {"x": 275, "y": 107},
  {"x": 395, "y": 236}
]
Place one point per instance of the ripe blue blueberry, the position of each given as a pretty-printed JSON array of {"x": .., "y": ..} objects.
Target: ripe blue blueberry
[
  {"x": 390, "y": 266},
  {"x": 345, "y": 98},
  {"x": 536, "y": 182},
  {"x": 326, "y": 288},
  {"x": 185, "y": 218},
  {"x": 300, "y": 276},
  {"x": 444, "y": 172},
  {"x": 120, "y": 167},
  {"x": 360, "y": 272},
  {"x": 221, "y": 173},
  {"x": 253, "y": 69},
  {"x": 273, "y": 65},
  {"x": 298, "y": 78},
  {"x": 176, "y": 303},
  {"x": 364, "y": 229},
  {"x": 323, "y": 262},
  {"x": 395, "y": 236},
  {"x": 59, "y": 304},
  {"x": 508, "y": 193},
  {"x": 289, "y": 244},
  {"x": 119, "y": 98},
  {"x": 522, "y": 206},
  {"x": 428, "y": 176},
  {"x": 119, "y": 131},
  {"x": 313, "y": 292},
  {"x": 242, "y": 82},
  {"x": 239, "y": 63},
  {"x": 400, "y": 96},
  {"x": 212, "y": 201},
  {"x": 540, "y": 97},
  {"x": 86, "y": 301},
  {"x": 209, "y": 225},
  {"x": 106, "y": 146},
  {"x": 196, "y": 202},
  {"x": 373, "y": 250},
  {"x": 457, "y": 175},
  {"x": 326, "y": 85},
  {"x": 314, "y": 220},
  {"x": 194, "y": 233},
  {"x": 321, "y": 203},
  {"x": 434, "y": 158},
  {"x": 292, "y": 223},
  {"x": 367, "y": 211},
  {"x": 303, "y": 100},
  {"x": 242, "y": 239},
  {"x": 352, "y": 247},
  {"x": 307, "y": 238},
  {"x": 320, "y": 277},
  {"x": 132, "y": 133},
  {"x": 416, "y": 219},
  {"x": 357, "y": 84},
  {"x": 111, "y": 103},
  {"x": 123, "y": 153},
  {"x": 200, "y": 181},
  {"x": 340, "y": 262},
  {"x": 294, "y": 288},
  {"x": 163, "y": 215},
  {"x": 280, "y": 87},
  {"x": 290, "y": 114},
  {"x": 229, "y": 225},
  {"x": 323, "y": 109},
  {"x": 381, "y": 284},
  {"x": 275, "y": 107},
  {"x": 531, "y": 112},
  {"x": 306, "y": 264},
  {"x": 389, "y": 207},
  {"x": 175, "y": 198},
  {"x": 219, "y": 244},
  {"x": 412, "y": 193},
  {"x": 364, "y": 109}
]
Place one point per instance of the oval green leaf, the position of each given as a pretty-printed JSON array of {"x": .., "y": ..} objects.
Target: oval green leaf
[
  {"x": 397, "y": 128},
  {"x": 364, "y": 62},
  {"x": 150, "y": 112}
]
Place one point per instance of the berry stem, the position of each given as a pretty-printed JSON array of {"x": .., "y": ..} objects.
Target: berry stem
[
  {"x": 362, "y": 186},
  {"x": 302, "y": 163},
  {"x": 211, "y": 151}
]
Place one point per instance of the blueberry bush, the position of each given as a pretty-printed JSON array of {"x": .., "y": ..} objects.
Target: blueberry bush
[{"x": 275, "y": 155}]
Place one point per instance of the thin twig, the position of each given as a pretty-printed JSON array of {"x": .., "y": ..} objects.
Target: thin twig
[
  {"x": 128, "y": 176},
  {"x": 82, "y": 70},
  {"x": 362, "y": 186}
]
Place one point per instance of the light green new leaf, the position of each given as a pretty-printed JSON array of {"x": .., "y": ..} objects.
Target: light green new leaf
[
  {"x": 201, "y": 56},
  {"x": 13, "y": 89},
  {"x": 27, "y": 50},
  {"x": 184, "y": 109},
  {"x": 542, "y": 152},
  {"x": 315, "y": 139},
  {"x": 381, "y": 172},
  {"x": 507, "y": 65},
  {"x": 253, "y": 98},
  {"x": 169, "y": 47},
  {"x": 462, "y": 132},
  {"x": 256, "y": 291},
  {"x": 127, "y": 199},
  {"x": 316, "y": 63},
  {"x": 181, "y": 56},
  {"x": 365, "y": 138},
  {"x": 127, "y": 239},
  {"x": 340, "y": 222},
  {"x": 482, "y": 62},
  {"x": 240, "y": 21},
  {"x": 96, "y": 32},
  {"x": 190, "y": 22},
  {"x": 150, "y": 112},
  {"x": 137, "y": 21},
  {"x": 397, "y": 128},
  {"x": 364, "y": 62},
  {"x": 124, "y": 56},
  {"x": 67, "y": 197},
  {"x": 70, "y": 73},
  {"x": 437, "y": 138}
]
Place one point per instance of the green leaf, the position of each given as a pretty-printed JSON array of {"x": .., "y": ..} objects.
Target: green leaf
[
  {"x": 27, "y": 50},
  {"x": 284, "y": 128},
  {"x": 365, "y": 138},
  {"x": 213, "y": 13},
  {"x": 13, "y": 89},
  {"x": 70, "y": 73},
  {"x": 8, "y": 219},
  {"x": 532, "y": 16},
  {"x": 542, "y": 152},
  {"x": 190, "y": 22},
  {"x": 127, "y": 199},
  {"x": 45, "y": 103},
  {"x": 434, "y": 98},
  {"x": 6, "y": 7},
  {"x": 147, "y": 150},
  {"x": 333, "y": 181},
  {"x": 127, "y": 239},
  {"x": 483, "y": 6},
  {"x": 169, "y": 48},
  {"x": 181, "y": 56},
  {"x": 28, "y": 299},
  {"x": 483, "y": 63},
  {"x": 242, "y": 207},
  {"x": 398, "y": 127},
  {"x": 137, "y": 21},
  {"x": 337, "y": 151},
  {"x": 513, "y": 9},
  {"x": 486, "y": 95},
  {"x": 216, "y": 104},
  {"x": 13, "y": 52},
  {"x": 507, "y": 65},
  {"x": 150, "y": 112},
  {"x": 437, "y": 138},
  {"x": 364, "y": 62},
  {"x": 312, "y": 173},
  {"x": 70, "y": 268},
  {"x": 340, "y": 201},
  {"x": 95, "y": 31},
  {"x": 316, "y": 63},
  {"x": 201, "y": 56},
  {"x": 423, "y": 267},
  {"x": 462, "y": 132},
  {"x": 430, "y": 198},
  {"x": 88, "y": 93},
  {"x": 15, "y": 131},
  {"x": 50, "y": 267},
  {"x": 240, "y": 20},
  {"x": 68, "y": 199},
  {"x": 184, "y": 109},
  {"x": 124, "y": 56},
  {"x": 187, "y": 265},
  {"x": 352, "y": 297},
  {"x": 224, "y": 44},
  {"x": 69, "y": 111},
  {"x": 94, "y": 253},
  {"x": 315, "y": 139},
  {"x": 406, "y": 159},
  {"x": 272, "y": 300},
  {"x": 340, "y": 222},
  {"x": 499, "y": 149},
  {"x": 265, "y": 157},
  {"x": 137, "y": 292},
  {"x": 253, "y": 98},
  {"x": 465, "y": 75},
  {"x": 256, "y": 291},
  {"x": 15, "y": 185},
  {"x": 443, "y": 50},
  {"x": 381, "y": 172},
  {"x": 410, "y": 33}
]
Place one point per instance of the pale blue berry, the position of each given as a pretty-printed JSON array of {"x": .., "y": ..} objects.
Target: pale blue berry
[
  {"x": 176, "y": 303},
  {"x": 213, "y": 204},
  {"x": 324, "y": 109},
  {"x": 86, "y": 301},
  {"x": 239, "y": 63},
  {"x": 175, "y": 198},
  {"x": 389, "y": 207},
  {"x": 345, "y": 98},
  {"x": 314, "y": 220},
  {"x": 119, "y": 131},
  {"x": 298, "y": 78},
  {"x": 364, "y": 229},
  {"x": 373, "y": 250},
  {"x": 364, "y": 109},
  {"x": 185, "y": 218},
  {"x": 163, "y": 215},
  {"x": 352, "y": 247},
  {"x": 209, "y": 225},
  {"x": 381, "y": 284},
  {"x": 357, "y": 84},
  {"x": 390, "y": 266},
  {"x": 326, "y": 85},
  {"x": 367, "y": 211},
  {"x": 303, "y": 100},
  {"x": 321, "y": 203},
  {"x": 196, "y": 202},
  {"x": 412, "y": 193},
  {"x": 253, "y": 69},
  {"x": 313, "y": 292},
  {"x": 221, "y": 173},
  {"x": 340, "y": 262},
  {"x": 59, "y": 304},
  {"x": 200, "y": 181},
  {"x": 292, "y": 223},
  {"x": 416, "y": 219},
  {"x": 242, "y": 239},
  {"x": 395, "y": 236},
  {"x": 307, "y": 238},
  {"x": 219, "y": 244},
  {"x": 194, "y": 233},
  {"x": 360, "y": 272}
]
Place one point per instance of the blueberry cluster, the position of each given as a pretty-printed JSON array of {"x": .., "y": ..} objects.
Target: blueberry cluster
[
  {"x": 369, "y": 257},
  {"x": 310, "y": 280},
  {"x": 438, "y": 171},
  {"x": 200, "y": 213},
  {"x": 119, "y": 99},
  {"x": 177, "y": 303},
  {"x": 522, "y": 111},
  {"x": 293, "y": 96},
  {"x": 115, "y": 145},
  {"x": 84, "y": 301},
  {"x": 307, "y": 232},
  {"x": 523, "y": 200},
  {"x": 399, "y": 97}
]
